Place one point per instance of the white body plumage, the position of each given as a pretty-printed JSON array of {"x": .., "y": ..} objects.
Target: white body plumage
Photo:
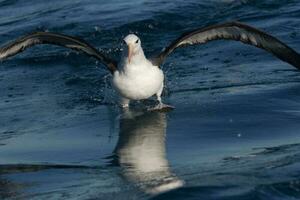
[{"x": 136, "y": 82}]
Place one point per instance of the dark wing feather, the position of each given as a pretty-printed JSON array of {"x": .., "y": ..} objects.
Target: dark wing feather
[
  {"x": 233, "y": 31},
  {"x": 25, "y": 42}
]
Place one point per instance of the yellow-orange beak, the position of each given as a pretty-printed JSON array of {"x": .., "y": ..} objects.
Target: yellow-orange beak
[{"x": 130, "y": 52}]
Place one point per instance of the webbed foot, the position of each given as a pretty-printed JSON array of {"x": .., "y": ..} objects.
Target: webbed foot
[{"x": 162, "y": 108}]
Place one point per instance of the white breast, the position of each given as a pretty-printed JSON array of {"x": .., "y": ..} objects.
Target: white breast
[{"x": 138, "y": 81}]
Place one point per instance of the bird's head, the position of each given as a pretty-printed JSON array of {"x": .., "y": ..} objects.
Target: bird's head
[{"x": 133, "y": 43}]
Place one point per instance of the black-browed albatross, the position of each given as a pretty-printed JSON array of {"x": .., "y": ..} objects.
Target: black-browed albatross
[{"x": 135, "y": 77}]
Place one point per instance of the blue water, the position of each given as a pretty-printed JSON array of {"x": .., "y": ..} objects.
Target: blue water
[{"x": 233, "y": 135}]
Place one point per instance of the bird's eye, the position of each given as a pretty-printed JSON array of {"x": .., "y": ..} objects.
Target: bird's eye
[{"x": 137, "y": 41}]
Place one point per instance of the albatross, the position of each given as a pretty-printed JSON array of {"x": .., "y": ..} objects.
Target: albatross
[{"x": 136, "y": 77}]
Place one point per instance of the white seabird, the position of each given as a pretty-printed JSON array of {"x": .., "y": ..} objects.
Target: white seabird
[{"x": 136, "y": 77}]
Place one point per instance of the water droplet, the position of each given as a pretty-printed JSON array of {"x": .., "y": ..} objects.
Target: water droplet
[{"x": 97, "y": 28}]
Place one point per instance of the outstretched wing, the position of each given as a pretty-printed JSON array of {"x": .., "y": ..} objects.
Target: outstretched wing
[
  {"x": 233, "y": 31},
  {"x": 23, "y": 43}
]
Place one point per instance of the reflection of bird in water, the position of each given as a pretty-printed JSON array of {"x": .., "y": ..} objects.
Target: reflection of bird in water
[{"x": 141, "y": 152}]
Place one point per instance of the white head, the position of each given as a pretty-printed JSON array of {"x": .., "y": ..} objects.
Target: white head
[{"x": 134, "y": 46}]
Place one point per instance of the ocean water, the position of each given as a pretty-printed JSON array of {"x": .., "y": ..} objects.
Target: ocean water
[{"x": 234, "y": 134}]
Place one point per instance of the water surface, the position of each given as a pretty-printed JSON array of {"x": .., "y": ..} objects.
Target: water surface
[{"x": 233, "y": 135}]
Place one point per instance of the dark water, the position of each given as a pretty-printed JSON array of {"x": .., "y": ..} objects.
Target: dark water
[{"x": 235, "y": 132}]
